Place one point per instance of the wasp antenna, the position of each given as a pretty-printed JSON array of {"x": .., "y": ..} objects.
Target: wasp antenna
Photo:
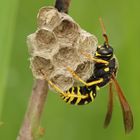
[
  {"x": 104, "y": 31},
  {"x": 126, "y": 110},
  {"x": 109, "y": 108}
]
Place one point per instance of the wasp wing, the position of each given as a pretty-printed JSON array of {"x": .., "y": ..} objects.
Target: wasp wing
[
  {"x": 127, "y": 113},
  {"x": 109, "y": 107}
]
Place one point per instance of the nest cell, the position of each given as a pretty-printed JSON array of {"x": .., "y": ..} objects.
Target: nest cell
[
  {"x": 84, "y": 70},
  {"x": 38, "y": 64},
  {"x": 45, "y": 38},
  {"x": 63, "y": 81},
  {"x": 67, "y": 31},
  {"x": 48, "y": 17},
  {"x": 87, "y": 42},
  {"x": 66, "y": 56}
]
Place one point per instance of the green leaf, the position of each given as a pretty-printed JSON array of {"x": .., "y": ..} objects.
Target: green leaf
[{"x": 8, "y": 14}]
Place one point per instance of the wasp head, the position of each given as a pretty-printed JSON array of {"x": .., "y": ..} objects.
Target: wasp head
[{"x": 104, "y": 51}]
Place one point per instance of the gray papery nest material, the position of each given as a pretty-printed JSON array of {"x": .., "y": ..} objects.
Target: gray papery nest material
[{"x": 56, "y": 44}]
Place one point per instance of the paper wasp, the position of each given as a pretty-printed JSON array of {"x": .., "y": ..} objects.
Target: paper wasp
[{"x": 104, "y": 73}]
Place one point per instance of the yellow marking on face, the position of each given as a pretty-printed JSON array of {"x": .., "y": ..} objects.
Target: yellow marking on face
[
  {"x": 91, "y": 96},
  {"x": 79, "y": 95},
  {"x": 94, "y": 94},
  {"x": 106, "y": 69}
]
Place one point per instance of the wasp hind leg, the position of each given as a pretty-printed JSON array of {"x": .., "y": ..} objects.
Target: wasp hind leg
[{"x": 62, "y": 93}]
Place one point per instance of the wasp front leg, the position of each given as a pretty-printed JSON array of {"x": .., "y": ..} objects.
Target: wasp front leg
[
  {"x": 91, "y": 58},
  {"x": 94, "y": 82}
]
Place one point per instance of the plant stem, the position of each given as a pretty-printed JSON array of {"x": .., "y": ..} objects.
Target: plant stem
[
  {"x": 32, "y": 118},
  {"x": 62, "y": 5}
]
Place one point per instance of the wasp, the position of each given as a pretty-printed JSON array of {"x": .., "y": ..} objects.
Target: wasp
[{"x": 105, "y": 69}]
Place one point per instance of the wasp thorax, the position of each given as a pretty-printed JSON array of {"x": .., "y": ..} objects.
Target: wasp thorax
[{"x": 56, "y": 44}]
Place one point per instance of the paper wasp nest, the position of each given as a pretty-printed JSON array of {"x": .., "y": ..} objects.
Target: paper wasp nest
[{"x": 57, "y": 44}]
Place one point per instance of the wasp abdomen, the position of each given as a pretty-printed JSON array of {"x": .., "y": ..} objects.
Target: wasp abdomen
[{"x": 79, "y": 95}]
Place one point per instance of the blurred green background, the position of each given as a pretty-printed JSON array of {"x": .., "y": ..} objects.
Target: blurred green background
[{"x": 62, "y": 121}]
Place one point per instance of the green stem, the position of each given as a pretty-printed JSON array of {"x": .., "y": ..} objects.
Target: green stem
[{"x": 30, "y": 127}]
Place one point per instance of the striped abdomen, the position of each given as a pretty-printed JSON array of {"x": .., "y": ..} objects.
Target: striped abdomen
[{"x": 79, "y": 95}]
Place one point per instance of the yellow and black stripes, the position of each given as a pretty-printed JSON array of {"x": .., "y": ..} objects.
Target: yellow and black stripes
[{"x": 79, "y": 95}]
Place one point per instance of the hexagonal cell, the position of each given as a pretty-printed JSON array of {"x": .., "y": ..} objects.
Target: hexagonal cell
[
  {"x": 48, "y": 17},
  {"x": 84, "y": 70},
  {"x": 42, "y": 43},
  {"x": 64, "y": 82},
  {"x": 67, "y": 31},
  {"x": 45, "y": 38},
  {"x": 38, "y": 64},
  {"x": 87, "y": 42},
  {"x": 66, "y": 57}
]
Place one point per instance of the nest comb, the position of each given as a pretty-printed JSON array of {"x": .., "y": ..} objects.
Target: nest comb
[{"x": 57, "y": 43}]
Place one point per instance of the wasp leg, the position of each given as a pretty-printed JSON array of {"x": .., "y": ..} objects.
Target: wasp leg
[
  {"x": 62, "y": 93},
  {"x": 97, "y": 60},
  {"x": 86, "y": 84},
  {"x": 109, "y": 108},
  {"x": 57, "y": 88},
  {"x": 52, "y": 84}
]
